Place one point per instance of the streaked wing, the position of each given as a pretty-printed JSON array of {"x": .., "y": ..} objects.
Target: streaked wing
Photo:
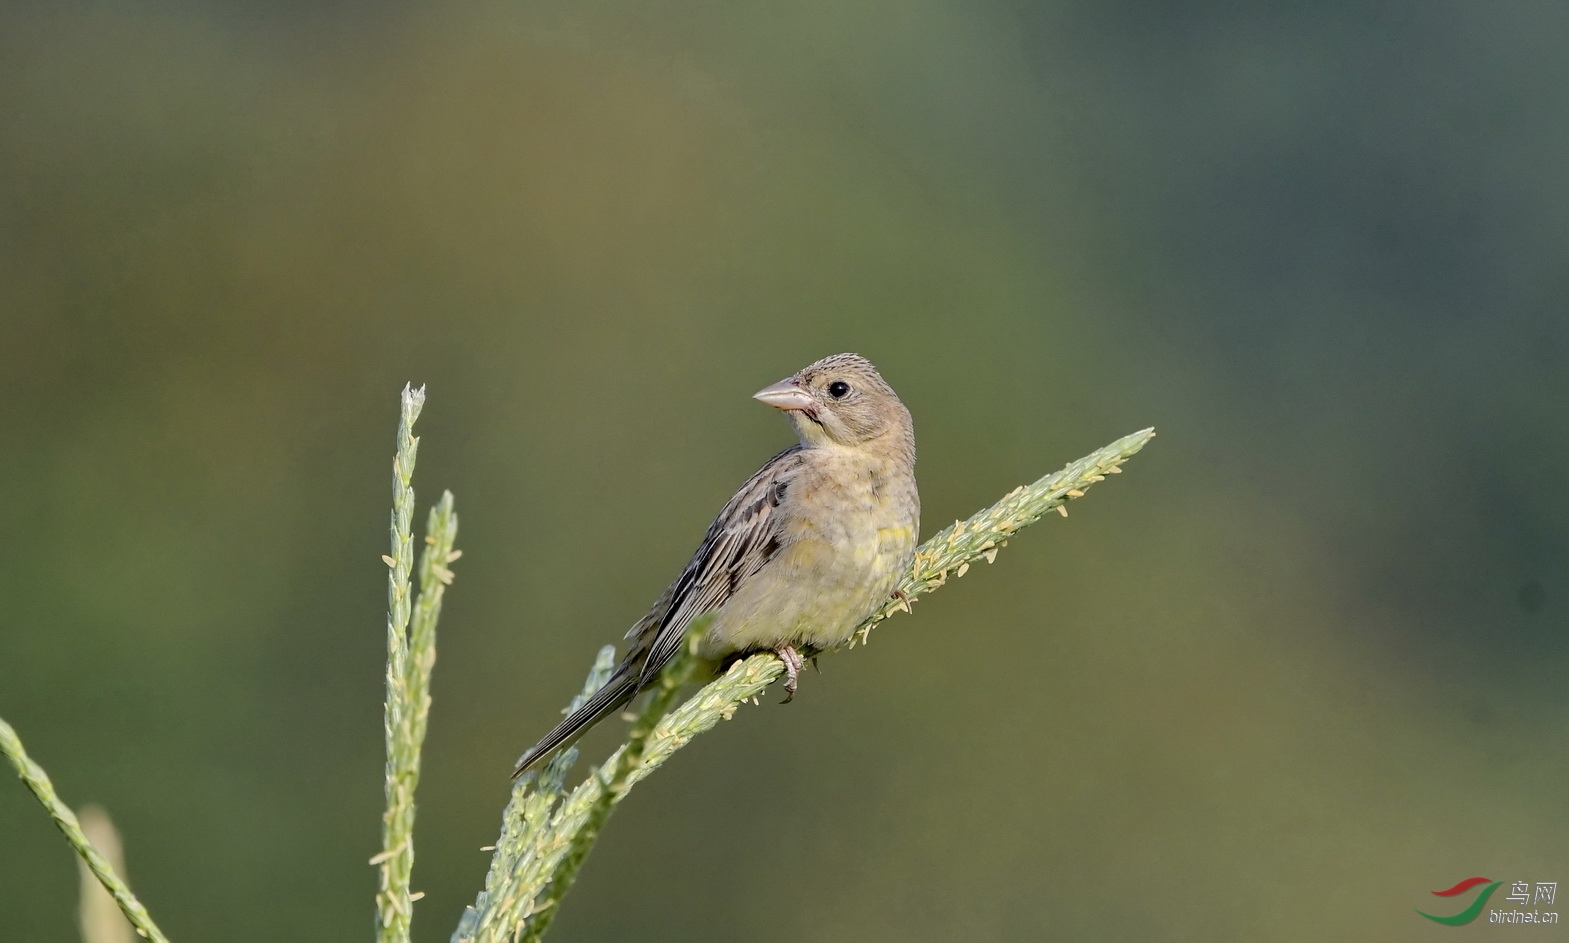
[{"x": 743, "y": 538}]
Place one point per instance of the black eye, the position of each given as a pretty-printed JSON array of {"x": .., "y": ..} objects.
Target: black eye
[{"x": 838, "y": 388}]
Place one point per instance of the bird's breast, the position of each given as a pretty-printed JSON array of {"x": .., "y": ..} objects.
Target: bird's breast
[{"x": 848, "y": 526}]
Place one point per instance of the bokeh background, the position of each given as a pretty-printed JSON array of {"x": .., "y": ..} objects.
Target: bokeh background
[{"x": 1303, "y": 663}]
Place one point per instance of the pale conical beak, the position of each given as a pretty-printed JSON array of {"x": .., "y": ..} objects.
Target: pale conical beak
[{"x": 786, "y": 394}]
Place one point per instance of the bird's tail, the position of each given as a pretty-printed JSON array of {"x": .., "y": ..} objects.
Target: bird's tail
[{"x": 620, "y": 689}]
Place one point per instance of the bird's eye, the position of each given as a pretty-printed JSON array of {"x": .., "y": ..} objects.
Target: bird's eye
[{"x": 838, "y": 388}]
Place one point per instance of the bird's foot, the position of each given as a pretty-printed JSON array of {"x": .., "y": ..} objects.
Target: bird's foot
[
  {"x": 792, "y": 662},
  {"x": 904, "y": 601}
]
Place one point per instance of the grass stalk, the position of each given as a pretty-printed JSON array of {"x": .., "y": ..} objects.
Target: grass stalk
[
  {"x": 411, "y": 656},
  {"x": 628, "y": 766},
  {"x": 38, "y": 782},
  {"x": 510, "y": 889}
]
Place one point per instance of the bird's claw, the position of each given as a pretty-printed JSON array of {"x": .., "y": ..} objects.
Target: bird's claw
[{"x": 792, "y": 662}]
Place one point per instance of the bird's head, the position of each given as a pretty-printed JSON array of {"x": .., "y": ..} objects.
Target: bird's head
[{"x": 842, "y": 400}]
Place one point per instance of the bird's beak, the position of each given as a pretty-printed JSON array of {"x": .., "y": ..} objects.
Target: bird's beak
[{"x": 786, "y": 395}]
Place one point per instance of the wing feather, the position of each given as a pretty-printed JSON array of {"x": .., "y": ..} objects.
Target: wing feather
[{"x": 742, "y": 539}]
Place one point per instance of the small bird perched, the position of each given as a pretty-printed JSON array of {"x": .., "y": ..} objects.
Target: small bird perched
[{"x": 807, "y": 549}]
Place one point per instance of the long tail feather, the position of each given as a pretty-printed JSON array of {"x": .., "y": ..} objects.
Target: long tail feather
[{"x": 617, "y": 691}]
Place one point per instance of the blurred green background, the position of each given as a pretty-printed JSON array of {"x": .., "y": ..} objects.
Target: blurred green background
[{"x": 1303, "y": 663}]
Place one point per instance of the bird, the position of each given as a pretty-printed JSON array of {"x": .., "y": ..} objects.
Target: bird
[{"x": 810, "y": 545}]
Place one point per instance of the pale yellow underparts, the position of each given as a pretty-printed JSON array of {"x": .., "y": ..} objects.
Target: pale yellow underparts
[{"x": 849, "y": 525}]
